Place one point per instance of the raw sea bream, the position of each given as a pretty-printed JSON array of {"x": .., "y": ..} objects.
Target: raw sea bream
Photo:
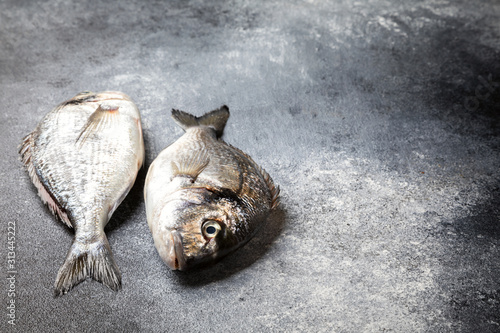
[
  {"x": 204, "y": 197},
  {"x": 83, "y": 157}
]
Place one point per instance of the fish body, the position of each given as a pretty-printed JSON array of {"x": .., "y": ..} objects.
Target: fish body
[
  {"x": 83, "y": 157},
  {"x": 204, "y": 198}
]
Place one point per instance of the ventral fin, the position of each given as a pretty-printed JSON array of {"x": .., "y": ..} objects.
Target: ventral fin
[
  {"x": 100, "y": 119},
  {"x": 190, "y": 165}
]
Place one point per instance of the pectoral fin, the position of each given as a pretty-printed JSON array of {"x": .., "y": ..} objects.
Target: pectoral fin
[
  {"x": 99, "y": 120},
  {"x": 190, "y": 165}
]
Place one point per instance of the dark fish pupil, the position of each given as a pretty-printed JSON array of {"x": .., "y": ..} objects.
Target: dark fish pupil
[{"x": 210, "y": 230}]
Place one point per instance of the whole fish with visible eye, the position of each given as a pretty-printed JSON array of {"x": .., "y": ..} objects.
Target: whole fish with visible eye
[
  {"x": 204, "y": 198},
  {"x": 83, "y": 157}
]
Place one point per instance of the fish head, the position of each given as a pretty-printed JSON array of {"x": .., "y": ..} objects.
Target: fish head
[
  {"x": 114, "y": 102},
  {"x": 197, "y": 231}
]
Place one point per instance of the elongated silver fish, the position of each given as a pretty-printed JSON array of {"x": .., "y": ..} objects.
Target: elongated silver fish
[
  {"x": 83, "y": 157},
  {"x": 204, "y": 198}
]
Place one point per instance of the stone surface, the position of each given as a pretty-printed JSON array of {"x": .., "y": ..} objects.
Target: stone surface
[{"x": 378, "y": 119}]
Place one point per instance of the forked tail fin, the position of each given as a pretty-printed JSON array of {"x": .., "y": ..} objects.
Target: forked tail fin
[
  {"x": 84, "y": 260},
  {"x": 215, "y": 119}
]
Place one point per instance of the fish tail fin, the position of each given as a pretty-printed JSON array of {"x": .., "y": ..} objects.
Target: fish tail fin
[
  {"x": 93, "y": 260},
  {"x": 215, "y": 119}
]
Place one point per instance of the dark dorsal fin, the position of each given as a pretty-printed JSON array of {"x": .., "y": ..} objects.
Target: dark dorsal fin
[
  {"x": 273, "y": 189},
  {"x": 26, "y": 151}
]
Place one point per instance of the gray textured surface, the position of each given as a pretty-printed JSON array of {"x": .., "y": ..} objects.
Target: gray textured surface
[{"x": 365, "y": 113}]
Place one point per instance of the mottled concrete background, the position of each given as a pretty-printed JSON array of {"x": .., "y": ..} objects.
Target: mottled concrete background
[{"x": 378, "y": 119}]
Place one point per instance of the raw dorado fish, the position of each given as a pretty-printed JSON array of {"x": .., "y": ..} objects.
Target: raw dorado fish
[
  {"x": 83, "y": 157},
  {"x": 204, "y": 198}
]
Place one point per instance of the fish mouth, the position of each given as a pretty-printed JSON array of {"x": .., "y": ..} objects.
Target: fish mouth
[
  {"x": 175, "y": 254},
  {"x": 90, "y": 97}
]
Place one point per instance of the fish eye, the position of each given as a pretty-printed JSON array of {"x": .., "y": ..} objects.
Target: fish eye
[{"x": 210, "y": 229}]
